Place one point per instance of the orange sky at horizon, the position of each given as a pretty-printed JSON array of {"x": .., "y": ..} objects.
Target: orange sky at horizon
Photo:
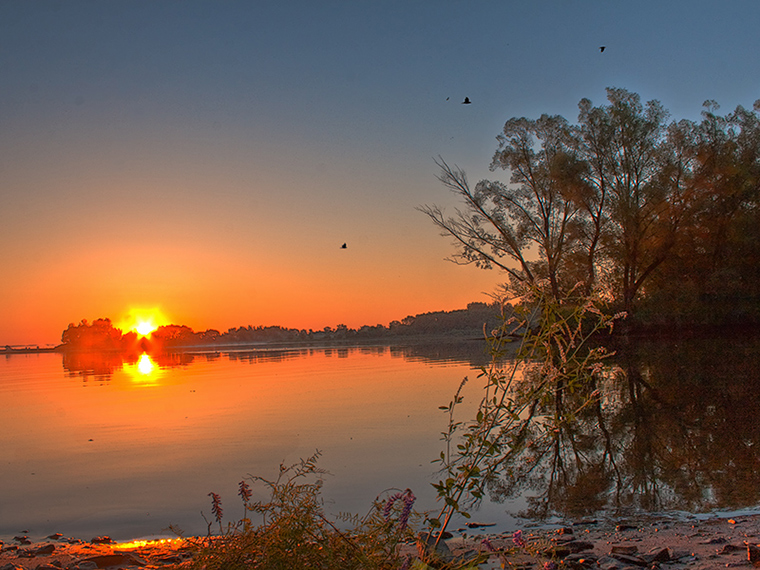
[
  {"x": 210, "y": 158},
  {"x": 202, "y": 290}
]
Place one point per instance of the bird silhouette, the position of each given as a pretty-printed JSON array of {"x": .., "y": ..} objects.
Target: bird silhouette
[
  {"x": 344, "y": 246},
  {"x": 601, "y": 48},
  {"x": 466, "y": 101}
]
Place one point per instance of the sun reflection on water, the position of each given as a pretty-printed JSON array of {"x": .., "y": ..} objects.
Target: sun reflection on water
[
  {"x": 166, "y": 542},
  {"x": 144, "y": 372}
]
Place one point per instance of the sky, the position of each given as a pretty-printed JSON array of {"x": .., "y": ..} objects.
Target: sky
[{"x": 209, "y": 158}]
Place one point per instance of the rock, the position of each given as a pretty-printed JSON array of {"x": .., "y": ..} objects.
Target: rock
[
  {"x": 102, "y": 540},
  {"x": 47, "y": 567},
  {"x": 117, "y": 559},
  {"x": 86, "y": 565},
  {"x": 563, "y": 549},
  {"x": 579, "y": 560},
  {"x": 716, "y": 540},
  {"x": 629, "y": 559},
  {"x": 617, "y": 549},
  {"x": 478, "y": 525},
  {"x": 426, "y": 543},
  {"x": 624, "y": 527},
  {"x": 23, "y": 539},
  {"x": 55, "y": 536},
  {"x": 575, "y": 546},
  {"x": 609, "y": 563},
  {"x": 657, "y": 555},
  {"x": 10, "y": 566},
  {"x": 46, "y": 549},
  {"x": 753, "y": 553},
  {"x": 730, "y": 549}
]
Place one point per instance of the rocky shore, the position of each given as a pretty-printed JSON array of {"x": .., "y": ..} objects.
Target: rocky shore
[
  {"x": 667, "y": 543},
  {"x": 57, "y": 552}
]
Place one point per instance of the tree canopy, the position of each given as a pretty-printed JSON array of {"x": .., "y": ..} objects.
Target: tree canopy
[{"x": 626, "y": 203}]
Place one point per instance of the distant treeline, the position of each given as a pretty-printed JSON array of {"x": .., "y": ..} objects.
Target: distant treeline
[{"x": 101, "y": 335}]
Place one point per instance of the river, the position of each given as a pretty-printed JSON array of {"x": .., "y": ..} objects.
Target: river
[{"x": 96, "y": 445}]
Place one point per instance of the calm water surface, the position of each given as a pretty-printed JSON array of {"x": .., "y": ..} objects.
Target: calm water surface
[{"x": 96, "y": 446}]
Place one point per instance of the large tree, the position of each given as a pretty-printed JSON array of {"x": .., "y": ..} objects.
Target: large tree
[{"x": 601, "y": 203}]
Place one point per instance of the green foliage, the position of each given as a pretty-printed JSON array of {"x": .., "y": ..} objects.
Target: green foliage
[
  {"x": 556, "y": 358},
  {"x": 295, "y": 533}
]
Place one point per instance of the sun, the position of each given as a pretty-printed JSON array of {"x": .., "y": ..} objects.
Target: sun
[
  {"x": 143, "y": 321},
  {"x": 144, "y": 328}
]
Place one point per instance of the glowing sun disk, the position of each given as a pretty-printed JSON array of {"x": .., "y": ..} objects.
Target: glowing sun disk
[
  {"x": 144, "y": 328},
  {"x": 143, "y": 321}
]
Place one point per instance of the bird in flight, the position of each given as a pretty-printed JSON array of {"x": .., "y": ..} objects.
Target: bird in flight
[
  {"x": 601, "y": 48},
  {"x": 344, "y": 246},
  {"x": 466, "y": 101}
]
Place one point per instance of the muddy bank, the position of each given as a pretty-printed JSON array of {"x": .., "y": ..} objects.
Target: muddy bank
[{"x": 651, "y": 542}]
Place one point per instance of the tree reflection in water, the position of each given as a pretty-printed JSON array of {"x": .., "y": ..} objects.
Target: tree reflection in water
[
  {"x": 101, "y": 366},
  {"x": 673, "y": 426}
]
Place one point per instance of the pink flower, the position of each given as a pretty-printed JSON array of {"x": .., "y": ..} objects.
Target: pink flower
[
  {"x": 245, "y": 491},
  {"x": 216, "y": 506}
]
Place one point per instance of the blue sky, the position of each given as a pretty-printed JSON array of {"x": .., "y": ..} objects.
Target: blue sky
[{"x": 210, "y": 157}]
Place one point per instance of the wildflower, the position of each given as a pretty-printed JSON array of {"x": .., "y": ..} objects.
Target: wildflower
[
  {"x": 245, "y": 491},
  {"x": 408, "y": 498},
  {"x": 216, "y": 506},
  {"x": 389, "y": 505},
  {"x": 518, "y": 539}
]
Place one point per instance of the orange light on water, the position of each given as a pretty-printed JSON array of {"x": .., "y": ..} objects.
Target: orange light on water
[
  {"x": 145, "y": 364},
  {"x": 144, "y": 372},
  {"x": 166, "y": 542}
]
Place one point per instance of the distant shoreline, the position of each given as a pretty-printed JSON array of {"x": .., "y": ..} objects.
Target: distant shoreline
[
  {"x": 213, "y": 347},
  {"x": 674, "y": 331},
  {"x": 29, "y": 349}
]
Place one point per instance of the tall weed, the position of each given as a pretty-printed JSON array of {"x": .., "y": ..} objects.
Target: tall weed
[{"x": 295, "y": 532}]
